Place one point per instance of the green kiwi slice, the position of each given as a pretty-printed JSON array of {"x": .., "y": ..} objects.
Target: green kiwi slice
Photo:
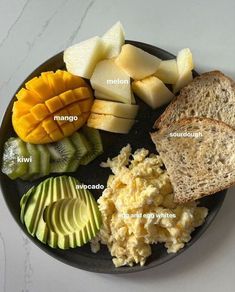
[
  {"x": 14, "y": 164},
  {"x": 61, "y": 153},
  {"x": 44, "y": 160},
  {"x": 33, "y": 162},
  {"x": 93, "y": 137},
  {"x": 82, "y": 148}
]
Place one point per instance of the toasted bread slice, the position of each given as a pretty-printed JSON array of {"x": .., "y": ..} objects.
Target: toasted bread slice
[
  {"x": 202, "y": 164},
  {"x": 210, "y": 95}
]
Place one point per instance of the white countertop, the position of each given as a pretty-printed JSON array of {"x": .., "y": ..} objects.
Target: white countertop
[{"x": 31, "y": 31}]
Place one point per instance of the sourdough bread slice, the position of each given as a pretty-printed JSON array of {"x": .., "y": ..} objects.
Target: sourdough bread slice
[
  {"x": 210, "y": 95},
  {"x": 200, "y": 164}
]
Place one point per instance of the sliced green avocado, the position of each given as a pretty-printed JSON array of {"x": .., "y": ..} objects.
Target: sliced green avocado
[
  {"x": 65, "y": 226},
  {"x": 63, "y": 238},
  {"x": 66, "y": 220},
  {"x": 80, "y": 213},
  {"x": 31, "y": 210},
  {"x": 52, "y": 239},
  {"x": 60, "y": 214},
  {"x": 43, "y": 232},
  {"x": 95, "y": 215},
  {"x": 32, "y": 206},
  {"x": 35, "y": 205},
  {"x": 23, "y": 203}
]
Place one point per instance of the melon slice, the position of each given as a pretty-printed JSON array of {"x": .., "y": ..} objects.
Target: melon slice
[{"x": 81, "y": 59}]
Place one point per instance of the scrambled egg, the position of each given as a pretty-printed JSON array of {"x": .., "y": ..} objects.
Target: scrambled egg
[{"x": 138, "y": 210}]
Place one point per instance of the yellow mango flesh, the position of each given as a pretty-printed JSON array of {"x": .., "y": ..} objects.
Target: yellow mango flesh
[{"x": 51, "y": 107}]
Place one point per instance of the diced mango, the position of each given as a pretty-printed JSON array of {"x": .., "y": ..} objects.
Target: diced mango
[
  {"x": 47, "y": 108},
  {"x": 54, "y": 104},
  {"x": 59, "y": 117},
  {"x": 28, "y": 97},
  {"x": 85, "y": 105},
  {"x": 72, "y": 81},
  {"x": 81, "y": 120},
  {"x": 50, "y": 125},
  {"x": 74, "y": 109},
  {"x": 68, "y": 128},
  {"x": 44, "y": 76},
  {"x": 39, "y": 133},
  {"x": 56, "y": 135},
  {"x": 67, "y": 97},
  {"x": 56, "y": 82},
  {"x": 40, "y": 111},
  {"x": 82, "y": 93},
  {"x": 68, "y": 77},
  {"x": 20, "y": 108},
  {"x": 22, "y": 132},
  {"x": 43, "y": 140},
  {"x": 38, "y": 86},
  {"x": 28, "y": 121}
]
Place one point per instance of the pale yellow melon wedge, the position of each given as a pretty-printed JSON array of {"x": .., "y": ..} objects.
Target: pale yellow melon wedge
[
  {"x": 110, "y": 123},
  {"x": 81, "y": 59},
  {"x": 167, "y": 72},
  {"x": 152, "y": 91},
  {"x": 137, "y": 63},
  {"x": 114, "y": 38},
  {"x": 116, "y": 109},
  {"x": 112, "y": 81}
]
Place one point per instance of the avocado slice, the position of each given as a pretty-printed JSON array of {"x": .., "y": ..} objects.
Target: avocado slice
[
  {"x": 32, "y": 204},
  {"x": 94, "y": 213},
  {"x": 63, "y": 238},
  {"x": 59, "y": 214},
  {"x": 23, "y": 203},
  {"x": 43, "y": 232},
  {"x": 66, "y": 220},
  {"x": 31, "y": 210},
  {"x": 64, "y": 223},
  {"x": 52, "y": 236}
]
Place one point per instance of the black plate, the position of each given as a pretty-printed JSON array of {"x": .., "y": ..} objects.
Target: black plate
[{"x": 138, "y": 137}]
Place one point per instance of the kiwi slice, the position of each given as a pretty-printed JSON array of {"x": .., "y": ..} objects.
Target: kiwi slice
[
  {"x": 93, "y": 137},
  {"x": 14, "y": 164},
  {"x": 33, "y": 162},
  {"x": 61, "y": 153},
  {"x": 44, "y": 160},
  {"x": 82, "y": 148}
]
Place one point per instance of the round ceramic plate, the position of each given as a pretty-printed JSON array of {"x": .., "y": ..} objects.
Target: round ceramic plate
[{"x": 138, "y": 137}]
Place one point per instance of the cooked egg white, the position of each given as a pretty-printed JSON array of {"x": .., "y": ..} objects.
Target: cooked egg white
[{"x": 138, "y": 210}]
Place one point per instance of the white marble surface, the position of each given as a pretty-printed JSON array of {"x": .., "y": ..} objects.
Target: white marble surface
[{"x": 32, "y": 31}]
